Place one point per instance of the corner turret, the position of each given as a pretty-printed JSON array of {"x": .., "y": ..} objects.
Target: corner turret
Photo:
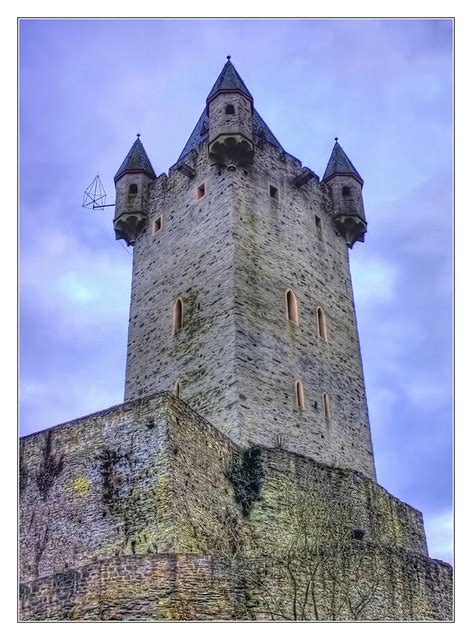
[
  {"x": 346, "y": 188},
  {"x": 230, "y": 109},
  {"x": 132, "y": 182}
]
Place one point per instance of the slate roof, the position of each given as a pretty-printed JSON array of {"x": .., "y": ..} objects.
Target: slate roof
[
  {"x": 200, "y": 133},
  {"x": 339, "y": 163},
  {"x": 229, "y": 80},
  {"x": 136, "y": 160}
]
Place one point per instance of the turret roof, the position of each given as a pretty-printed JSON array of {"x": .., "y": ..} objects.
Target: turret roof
[
  {"x": 229, "y": 80},
  {"x": 339, "y": 164},
  {"x": 136, "y": 161}
]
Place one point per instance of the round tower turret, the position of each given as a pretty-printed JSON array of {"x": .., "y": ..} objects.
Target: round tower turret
[
  {"x": 230, "y": 110},
  {"x": 346, "y": 191},
  {"x": 132, "y": 182}
]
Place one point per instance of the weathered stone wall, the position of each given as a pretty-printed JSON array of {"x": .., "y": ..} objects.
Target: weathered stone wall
[
  {"x": 377, "y": 583},
  {"x": 101, "y": 498},
  {"x": 276, "y": 248},
  {"x": 199, "y": 587},
  {"x": 205, "y": 476},
  {"x": 192, "y": 258},
  {"x": 94, "y": 488},
  {"x": 152, "y": 476},
  {"x": 153, "y": 587},
  {"x": 230, "y": 256},
  {"x": 358, "y": 502}
]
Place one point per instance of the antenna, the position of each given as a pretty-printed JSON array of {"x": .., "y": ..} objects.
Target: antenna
[{"x": 95, "y": 196}]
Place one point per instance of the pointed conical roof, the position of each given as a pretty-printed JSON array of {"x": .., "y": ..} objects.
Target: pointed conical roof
[
  {"x": 136, "y": 161},
  {"x": 229, "y": 80},
  {"x": 339, "y": 164}
]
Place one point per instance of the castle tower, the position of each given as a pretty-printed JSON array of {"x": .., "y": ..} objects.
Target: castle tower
[
  {"x": 241, "y": 296},
  {"x": 242, "y": 306}
]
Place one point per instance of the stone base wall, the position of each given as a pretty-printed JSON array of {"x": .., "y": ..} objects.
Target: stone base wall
[
  {"x": 151, "y": 477},
  {"x": 154, "y": 587},
  {"x": 168, "y": 587}
]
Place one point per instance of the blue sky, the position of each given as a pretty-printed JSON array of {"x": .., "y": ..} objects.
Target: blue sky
[{"x": 383, "y": 87}]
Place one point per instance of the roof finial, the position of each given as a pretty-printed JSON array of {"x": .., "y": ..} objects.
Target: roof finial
[
  {"x": 228, "y": 58},
  {"x": 138, "y": 135},
  {"x": 336, "y": 139}
]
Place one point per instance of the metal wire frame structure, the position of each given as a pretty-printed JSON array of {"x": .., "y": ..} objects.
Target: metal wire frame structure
[{"x": 95, "y": 196}]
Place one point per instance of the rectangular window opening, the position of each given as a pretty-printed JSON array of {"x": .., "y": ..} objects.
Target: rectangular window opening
[
  {"x": 200, "y": 191},
  {"x": 274, "y": 192},
  {"x": 319, "y": 230},
  {"x": 157, "y": 225}
]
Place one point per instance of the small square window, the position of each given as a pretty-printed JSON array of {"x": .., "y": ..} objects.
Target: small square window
[
  {"x": 157, "y": 225},
  {"x": 200, "y": 191},
  {"x": 274, "y": 192}
]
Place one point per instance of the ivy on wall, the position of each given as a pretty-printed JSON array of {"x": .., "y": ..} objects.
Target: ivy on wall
[{"x": 246, "y": 475}]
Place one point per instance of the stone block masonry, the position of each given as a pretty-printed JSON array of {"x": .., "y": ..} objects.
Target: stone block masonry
[
  {"x": 177, "y": 587},
  {"x": 230, "y": 255},
  {"x": 131, "y": 513}
]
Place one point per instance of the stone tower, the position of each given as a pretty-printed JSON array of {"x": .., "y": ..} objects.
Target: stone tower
[
  {"x": 252, "y": 249},
  {"x": 244, "y": 435}
]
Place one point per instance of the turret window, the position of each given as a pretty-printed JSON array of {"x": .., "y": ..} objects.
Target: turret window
[
  {"x": 299, "y": 395},
  {"x": 346, "y": 191},
  {"x": 177, "y": 389},
  {"x": 178, "y": 316},
  {"x": 273, "y": 192},
  {"x": 321, "y": 323},
  {"x": 133, "y": 188},
  {"x": 319, "y": 230},
  {"x": 326, "y": 406},
  {"x": 291, "y": 305},
  {"x": 229, "y": 110}
]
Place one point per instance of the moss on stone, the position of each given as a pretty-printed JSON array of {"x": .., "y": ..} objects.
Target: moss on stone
[{"x": 80, "y": 485}]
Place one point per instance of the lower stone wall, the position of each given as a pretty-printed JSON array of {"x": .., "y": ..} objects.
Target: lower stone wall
[
  {"x": 149, "y": 488},
  {"x": 153, "y": 587},
  {"x": 166, "y": 587},
  {"x": 357, "y": 501},
  {"x": 211, "y": 476}
]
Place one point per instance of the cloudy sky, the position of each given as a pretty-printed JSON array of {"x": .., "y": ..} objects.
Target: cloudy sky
[{"x": 382, "y": 86}]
